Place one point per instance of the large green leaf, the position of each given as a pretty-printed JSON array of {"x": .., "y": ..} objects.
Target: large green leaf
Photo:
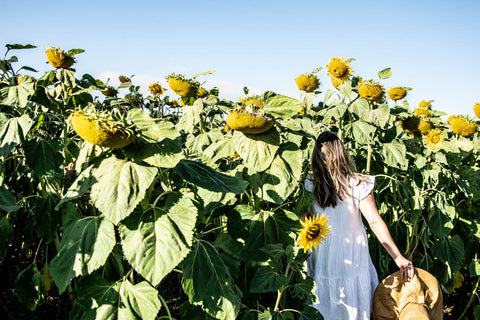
[
  {"x": 79, "y": 187},
  {"x": 85, "y": 246},
  {"x": 120, "y": 186},
  {"x": 46, "y": 219},
  {"x": 19, "y": 94},
  {"x": 395, "y": 154},
  {"x": 99, "y": 299},
  {"x": 441, "y": 221},
  {"x": 29, "y": 287},
  {"x": 257, "y": 150},
  {"x": 138, "y": 301},
  {"x": 150, "y": 130},
  {"x": 336, "y": 112},
  {"x": 451, "y": 251},
  {"x": 13, "y": 132},
  {"x": 267, "y": 280},
  {"x": 278, "y": 181},
  {"x": 191, "y": 117},
  {"x": 282, "y": 106},
  {"x": 7, "y": 201},
  {"x": 472, "y": 175},
  {"x": 164, "y": 154},
  {"x": 379, "y": 116},
  {"x": 66, "y": 77},
  {"x": 208, "y": 282},
  {"x": 221, "y": 148},
  {"x": 362, "y": 132},
  {"x": 157, "y": 240},
  {"x": 43, "y": 158},
  {"x": 206, "y": 177}
]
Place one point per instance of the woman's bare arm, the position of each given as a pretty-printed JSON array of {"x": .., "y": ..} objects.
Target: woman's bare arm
[{"x": 379, "y": 228}]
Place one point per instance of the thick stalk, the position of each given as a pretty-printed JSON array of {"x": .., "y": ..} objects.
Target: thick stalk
[{"x": 369, "y": 158}]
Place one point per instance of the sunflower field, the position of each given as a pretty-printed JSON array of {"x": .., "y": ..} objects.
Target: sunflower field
[{"x": 183, "y": 205}]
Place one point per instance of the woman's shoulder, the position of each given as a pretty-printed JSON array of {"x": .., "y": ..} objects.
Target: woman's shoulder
[
  {"x": 362, "y": 184},
  {"x": 309, "y": 179}
]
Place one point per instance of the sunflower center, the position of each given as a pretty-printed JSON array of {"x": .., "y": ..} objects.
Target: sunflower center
[
  {"x": 436, "y": 139},
  {"x": 313, "y": 232}
]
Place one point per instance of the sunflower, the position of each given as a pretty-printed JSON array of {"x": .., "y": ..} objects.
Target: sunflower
[
  {"x": 58, "y": 58},
  {"x": 371, "y": 90},
  {"x": 397, "y": 93},
  {"x": 422, "y": 112},
  {"x": 339, "y": 68},
  {"x": 249, "y": 122},
  {"x": 313, "y": 233},
  {"x": 424, "y": 126},
  {"x": 253, "y": 100},
  {"x": 476, "y": 109},
  {"x": 123, "y": 79},
  {"x": 463, "y": 126},
  {"x": 414, "y": 125},
  {"x": 182, "y": 86},
  {"x": 307, "y": 82},
  {"x": 202, "y": 93},
  {"x": 109, "y": 91},
  {"x": 155, "y": 89},
  {"x": 434, "y": 138},
  {"x": 425, "y": 104}
]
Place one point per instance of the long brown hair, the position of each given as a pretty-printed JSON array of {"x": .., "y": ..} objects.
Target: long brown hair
[{"x": 332, "y": 169}]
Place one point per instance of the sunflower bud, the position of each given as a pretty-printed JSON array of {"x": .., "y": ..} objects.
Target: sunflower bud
[
  {"x": 123, "y": 79},
  {"x": 397, "y": 93},
  {"x": 155, "y": 89}
]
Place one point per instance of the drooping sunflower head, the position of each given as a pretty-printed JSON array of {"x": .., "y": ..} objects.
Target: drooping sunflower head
[
  {"x": 155, "y": 89},
  {"x": 397, "y": 93},
  {"x": 58, "y": 58},
  {"x": 314, "y": 232},
  {"x": 307, "y": 82},
  {"x": 476, "y": 109},
  {"x": 253, "y": 100},
  {"x": 434, "y": 138},
  {"x": 336, "y": 82},
  {"x": 182, "y": 86},
  {"x": 339, "y": 68},
  {"x": 463, "y": 126},
  {"x": 424, "y": 126},
  {"x": 371, "y": 90},
  {"x": 425, "y": 104},
  {"x": 110, "y": 91},
  {"x": 423, "y": 112},
  {"x": 123, "y": 79},
  {"x": 248, "y": 121}
]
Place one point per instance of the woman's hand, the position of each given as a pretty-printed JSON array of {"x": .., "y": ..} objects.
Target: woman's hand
[{"x": 406, "y": 268}]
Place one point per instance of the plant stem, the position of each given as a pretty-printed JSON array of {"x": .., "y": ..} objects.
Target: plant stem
[
  {"x": 472, "y": 296},
  {"x": 369, "y": 158}
]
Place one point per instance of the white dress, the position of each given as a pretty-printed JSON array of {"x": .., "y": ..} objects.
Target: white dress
[{"x": 343, "y": 271}]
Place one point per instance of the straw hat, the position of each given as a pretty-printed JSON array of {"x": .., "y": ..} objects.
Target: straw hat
[{"x": 420, "y": 298}]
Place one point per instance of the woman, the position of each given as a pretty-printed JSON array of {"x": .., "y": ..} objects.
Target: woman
[{"x": 341, "y": 267}]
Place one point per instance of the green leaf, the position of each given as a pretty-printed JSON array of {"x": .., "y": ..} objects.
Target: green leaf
[
  {"x": 73, "y": 52},
  {"x": 208, "y": 283},
  {"x": 385, "y": 73},
  {"x": 43, "y": 158},
  {"x": 85, "y": 246},
  {"x": 306, "y": 199},
  {"x": 472, "y": 176},
  {"x": 335, "y": 112},
  {"x": 164, "y": 154},
  {"x": 150, "y": 130},
  {"x": 157, "y": 240},
  {"x": 191, "y": 116},
  {"x": 362, "y": 132},
  {"x": 257, "y": 150},
  {"x": 46, "y": 219},
  {"x": 206, "y": 177},
  {"x": 96, "y": 299},
  {"x": 474, "y": 268},
  {"x": 278, "y": 182},
  {"x": 280, "y": 106},
  {"x": 310, "y": 313},
  {"x": 274, "y": 251},
  {"x": 66, "y": 77},
  {"x": 79, "y": 187},
  {"x": 267, "y": 280},
  {"x": 379, "y": 116},
  {"x": 120, "y": 187},
  {"x": 29, "y": 287},
  {"x": 7, "y": 201},
  {"x": 262, "y": 229},
  {"x": 13, "y": 132},
  {"x": 395, "y": 154},
  {"x": 304, "y": 288},
  {"x": 221, "y": 148},
  {"x": 441, "y": 222},
  {"x": 17, "y": 46},
  {"x": 451, "y": 251},
  {"x": 19, "y": 95},
  {"x": 138, "y": 301}
]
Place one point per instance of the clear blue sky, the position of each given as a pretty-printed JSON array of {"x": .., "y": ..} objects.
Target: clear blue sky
[{"x": 431, "y": 46}]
